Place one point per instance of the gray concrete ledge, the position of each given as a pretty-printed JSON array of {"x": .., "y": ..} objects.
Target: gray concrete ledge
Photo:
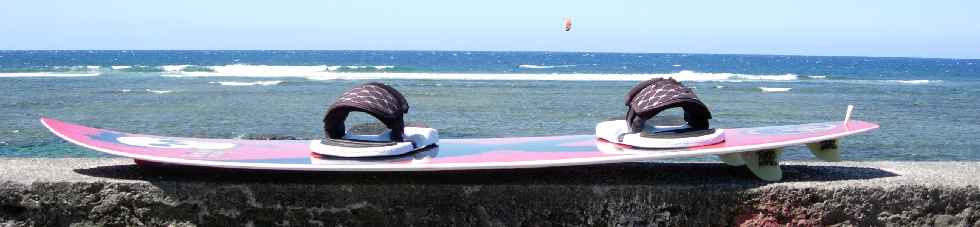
[{"x": 106, "y": 192}]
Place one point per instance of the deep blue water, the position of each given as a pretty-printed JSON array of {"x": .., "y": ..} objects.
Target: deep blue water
[{"x": 927, "y": 107}]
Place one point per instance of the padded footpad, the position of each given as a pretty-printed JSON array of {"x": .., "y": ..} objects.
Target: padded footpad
[
  {"x": 355, "y": 146},
  {"x": 617, "y": 131}
]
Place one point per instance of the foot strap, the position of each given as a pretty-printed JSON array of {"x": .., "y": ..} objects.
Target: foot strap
[{"x": 650, "y": 97}]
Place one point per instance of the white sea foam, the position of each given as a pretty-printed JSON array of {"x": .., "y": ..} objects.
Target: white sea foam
[
  {"x": 774, "y": 89},
  {"x": 92, "y": 67},
  {"x": 159, "y": 91},
  {"x": 380, "y": 67},
  {"x": 321, "y": 73},
  {"x": 47, "y": 74},
  {"x": 681, "y": 76},
  {"x": 234, "y": 83},
  {"x": 126, "y": 90},
  {"x": 913, "y": 81},
  {"x": 817, "y": 77},
  {"x": 174, "y": 68},
  {"x": 120, "y": 67},
  {"x": 888, "y": 82},
  {"x": 334, "y": 68},
  {"x": 676, "y": 65},
  {"x": 783, "y": 77},
  {"x": 544, "y": 66}
]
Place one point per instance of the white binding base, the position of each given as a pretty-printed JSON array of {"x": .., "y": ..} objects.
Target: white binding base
[
  {"x": 764, "y": 164},
  {"x": 826, "y": 150},
  {"x": 421, "y": 157},
  {"x": 415, "y": 137},
  {"x": 617, "y": 131}
]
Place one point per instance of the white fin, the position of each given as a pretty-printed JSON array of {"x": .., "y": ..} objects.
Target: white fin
[{"x": 764, "y": 164}]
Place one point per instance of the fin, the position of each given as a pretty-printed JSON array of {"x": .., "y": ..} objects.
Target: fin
[
  {"x": 764, "y": 164},
  {"x": 732, "y": 159},
  {"x": 826, "y": 150}
]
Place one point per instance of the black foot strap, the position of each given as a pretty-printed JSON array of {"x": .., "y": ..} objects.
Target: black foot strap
[
  {"x": 650, "y": 97},
  {"x": 379, "y": 100}
]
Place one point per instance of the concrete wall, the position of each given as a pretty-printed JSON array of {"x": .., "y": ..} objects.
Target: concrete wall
[{"x": 62, "y": 192}]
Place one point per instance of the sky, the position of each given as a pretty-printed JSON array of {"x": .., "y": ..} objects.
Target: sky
[{"x": 892, "y": 28}]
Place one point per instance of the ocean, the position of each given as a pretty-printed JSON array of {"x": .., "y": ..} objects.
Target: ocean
[{"x": 927, "y": 108}]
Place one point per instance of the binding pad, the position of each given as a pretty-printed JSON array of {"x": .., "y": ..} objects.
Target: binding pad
[
  {"x": 388, "y": 106},
  {"x": 617, "y": 131},
  {"x": 648, "y": 99}
]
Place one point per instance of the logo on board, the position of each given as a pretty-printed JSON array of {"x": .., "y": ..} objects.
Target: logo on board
[{"x": 172, "y": 143}]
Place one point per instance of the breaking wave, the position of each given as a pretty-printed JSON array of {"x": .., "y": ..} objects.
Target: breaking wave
[
  {"x": 775, "y": 89},
  {"x": 159, "y": 91},
  {"x": 254, "y": 83},
  {"x": 681, "y": 76},
  {"x": 915, "y": 81},
  {"x": 323, "y": 72},
  {"x": 891, "y": 82},
  {"x": 371, "y": 72}
]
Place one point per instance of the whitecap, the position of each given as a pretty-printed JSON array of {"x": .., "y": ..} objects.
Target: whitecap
[
  {"x": 321, "y": 73},
  {"x": 681, "y": 76},
  {"x": 174, "y": 68},
  {"x": 159, "y": 91},
  {"x": 817, "y": 77},
  {"x": 774, "y": 89},
  {"x": 913, "y": 81},
  {"x": 114, "y": 67},
  {"x": 783, "y": 77},
  {"x": 234, "y": 83},
  {"x": 381, "y": 67}
]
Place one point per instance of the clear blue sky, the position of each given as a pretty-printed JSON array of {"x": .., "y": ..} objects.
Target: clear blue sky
[{"x": 919, "y": 28}]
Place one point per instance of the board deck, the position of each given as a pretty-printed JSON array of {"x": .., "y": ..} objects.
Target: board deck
[{"x": 450, "y": 154}]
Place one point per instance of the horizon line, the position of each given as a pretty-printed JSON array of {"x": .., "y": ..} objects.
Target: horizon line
[{"x": 546, "y": 51}]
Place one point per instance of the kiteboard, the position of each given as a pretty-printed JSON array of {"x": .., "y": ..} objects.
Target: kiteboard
[{"x": 757, "y": 148}]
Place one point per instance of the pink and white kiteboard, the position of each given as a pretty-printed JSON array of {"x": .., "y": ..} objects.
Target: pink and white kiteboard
[{"x": 757, "y": 148}]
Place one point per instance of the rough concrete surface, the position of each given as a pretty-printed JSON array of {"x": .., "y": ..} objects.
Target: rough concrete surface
[{"x": 114, "y": 192}]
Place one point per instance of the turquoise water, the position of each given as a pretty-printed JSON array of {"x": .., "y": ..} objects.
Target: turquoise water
[{"x": 927, "y": 107}]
